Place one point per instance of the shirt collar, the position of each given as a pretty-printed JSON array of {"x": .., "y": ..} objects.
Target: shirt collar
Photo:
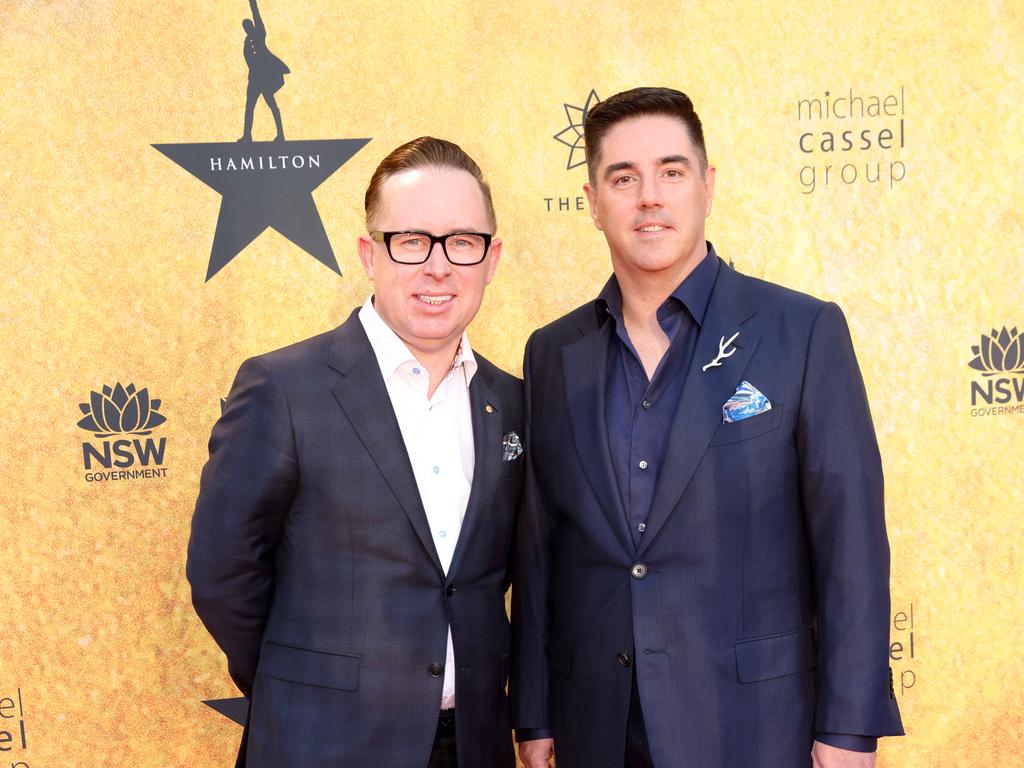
[
  {"x": 694, "y": 292},
  {"x": 392, "y": 353}
]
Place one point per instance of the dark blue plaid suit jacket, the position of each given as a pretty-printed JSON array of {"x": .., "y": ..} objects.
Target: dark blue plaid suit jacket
[
  {"x": 755, "y": 610},
  {"x": 313, "y": 567}
]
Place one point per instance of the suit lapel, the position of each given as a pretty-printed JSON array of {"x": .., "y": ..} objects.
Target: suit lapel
[
  {"x": 487, "y": 462},
  {"x": 704, "y": 393},
  {"x": 585, "y": 369},
  {"x": 364, "y": 398}
]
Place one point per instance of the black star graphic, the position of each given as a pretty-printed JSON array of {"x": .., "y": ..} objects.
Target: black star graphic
[
  {"x": 236, "y": 710},
  {"x": 265, "y": 184}
]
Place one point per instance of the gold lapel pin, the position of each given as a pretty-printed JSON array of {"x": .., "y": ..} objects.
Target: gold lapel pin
[{"x": 489, "y": 408}]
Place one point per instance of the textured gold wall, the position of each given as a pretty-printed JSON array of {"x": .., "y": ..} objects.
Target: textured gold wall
[{"x": 105, "y": 244}]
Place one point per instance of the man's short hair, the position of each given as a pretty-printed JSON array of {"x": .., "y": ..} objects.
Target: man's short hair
[
  {"x": 639, "y": 102},
  {"x": 424, "y": 152}
]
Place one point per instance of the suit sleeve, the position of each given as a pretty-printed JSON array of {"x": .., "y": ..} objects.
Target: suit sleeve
[
  {"x": 844, "y": 509},
  {"x": 529, "y": 680},
  {"x": 244, "y": 494}
]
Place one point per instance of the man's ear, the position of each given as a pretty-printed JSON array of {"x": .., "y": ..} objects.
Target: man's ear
[
  {"x": 365, "y": 247},
  {"x": 592, "y": 199},
  {"x": 493, "y": 257}
]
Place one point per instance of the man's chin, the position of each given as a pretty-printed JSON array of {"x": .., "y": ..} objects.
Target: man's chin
[{"x": 436, "y": 335}]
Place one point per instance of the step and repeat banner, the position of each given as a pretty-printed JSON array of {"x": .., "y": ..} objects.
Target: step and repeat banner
[{"x": 871, "y": 156}]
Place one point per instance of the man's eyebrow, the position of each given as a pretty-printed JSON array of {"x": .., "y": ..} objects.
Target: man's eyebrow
[
  {"x": 681, "y": 159},
  {"x": 625, "y": 165}
]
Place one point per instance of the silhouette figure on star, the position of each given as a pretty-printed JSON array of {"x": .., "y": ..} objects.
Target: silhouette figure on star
[{"x": 266, "y": 73}]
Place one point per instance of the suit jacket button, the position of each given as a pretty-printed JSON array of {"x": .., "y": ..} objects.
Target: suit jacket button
[
  {"x": 623, "y": 659},
  {"x": 435, "y": 670},
  {"x": 639, "y": 570},
  {"x": 451, "y": 590}
]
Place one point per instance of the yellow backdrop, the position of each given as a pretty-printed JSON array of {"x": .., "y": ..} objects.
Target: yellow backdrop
[{"x": 106, "y": 244}]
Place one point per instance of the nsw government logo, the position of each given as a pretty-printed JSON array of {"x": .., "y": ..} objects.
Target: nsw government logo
[
  {"x": 264, "y": 184},
  {"x": 571, "y": 136},
  {"x": 1000, "y": 360},
  {"x": 121, "y": 419}
]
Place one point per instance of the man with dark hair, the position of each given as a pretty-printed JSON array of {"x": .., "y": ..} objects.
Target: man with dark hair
[
  {"x": 350, "y": 544},
  {"x": 702, "y": 562}
]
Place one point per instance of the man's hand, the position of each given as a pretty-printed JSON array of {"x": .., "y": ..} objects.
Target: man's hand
[
  {"x": 537, "y": 753},
  {"x": 824, "y": 756}
]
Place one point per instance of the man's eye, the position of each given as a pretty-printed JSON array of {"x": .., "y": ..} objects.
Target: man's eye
[{"x": 620, "y": 180}]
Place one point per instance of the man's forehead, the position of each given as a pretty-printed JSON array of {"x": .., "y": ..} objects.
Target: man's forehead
[
  {"x": 647, "y": 136},
  {"x": 430, "y": 194},
  {"x": 453, "y": 181}
]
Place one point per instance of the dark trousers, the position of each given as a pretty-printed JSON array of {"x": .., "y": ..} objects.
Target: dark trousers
[
  {"x": 443, "y": 755},
  {"x": 638, "y": 753}
]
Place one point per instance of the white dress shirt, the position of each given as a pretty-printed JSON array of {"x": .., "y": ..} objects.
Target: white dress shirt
[{"x": 438, "y": 436}]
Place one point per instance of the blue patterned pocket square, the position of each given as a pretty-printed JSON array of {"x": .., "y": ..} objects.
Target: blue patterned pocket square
[{"x": 746, "y": 401}]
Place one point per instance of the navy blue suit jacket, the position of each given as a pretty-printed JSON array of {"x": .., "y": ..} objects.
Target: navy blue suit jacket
[
  {"x": 756, "y": 607},
  {"x": 312, "y": 565}
]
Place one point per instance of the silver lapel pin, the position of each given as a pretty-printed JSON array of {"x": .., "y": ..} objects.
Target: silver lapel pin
[{"x": 723, "y": 345}]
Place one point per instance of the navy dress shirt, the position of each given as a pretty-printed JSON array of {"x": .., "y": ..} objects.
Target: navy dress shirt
[{"x": 638, "y": 411}]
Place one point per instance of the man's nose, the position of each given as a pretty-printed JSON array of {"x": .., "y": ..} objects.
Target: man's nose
[
  {"x": 650, "y": 194},
  {"x": 437, "y": 264}
]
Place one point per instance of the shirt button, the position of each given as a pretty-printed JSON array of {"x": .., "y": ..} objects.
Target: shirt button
[
  {"x": 416, "y": 371},
  {"x": 643, "y": 464},
  {"x": 443, "y": 534},
  {"x": 639, "y": 570},
  {"x": 435, "y": 670},
  {"x": 437, "y": 470},
  {"x": 646, "y": 404}
]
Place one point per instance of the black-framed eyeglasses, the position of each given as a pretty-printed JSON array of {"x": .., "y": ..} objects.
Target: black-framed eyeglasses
[{"x": 463, "y": 249}]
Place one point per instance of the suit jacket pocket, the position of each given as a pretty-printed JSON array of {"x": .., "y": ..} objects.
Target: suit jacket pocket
[
  {"x": 512, "y": 468},
  {"x": 763, "y": 658},
  {"x": 560, "y": 655},
  {"x": 300, "y": 665},
  {"x": 745, "y": 429}
]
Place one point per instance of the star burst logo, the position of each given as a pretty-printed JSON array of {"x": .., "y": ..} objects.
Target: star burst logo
[{"x": 572, "y": 135}]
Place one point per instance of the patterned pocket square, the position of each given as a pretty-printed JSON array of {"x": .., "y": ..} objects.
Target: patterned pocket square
[
  {"x": 511, "y": 447},
  {"x": 746, "y": 401}
]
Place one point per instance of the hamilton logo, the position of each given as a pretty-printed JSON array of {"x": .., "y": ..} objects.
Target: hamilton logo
[
  {"x": 265, "y": 184},
  {"x": 572, "y": 134},
  {"x": 1000, "y": 360},
  {"x": 999, "y": 352},
  {"x": 128, "y": 414}
]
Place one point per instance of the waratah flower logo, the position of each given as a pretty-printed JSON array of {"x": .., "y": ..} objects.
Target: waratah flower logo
[
  {"x": 999, "y": 352},
  {"x": 120, "y": 411},
  {"x": 572, "y": 136}
]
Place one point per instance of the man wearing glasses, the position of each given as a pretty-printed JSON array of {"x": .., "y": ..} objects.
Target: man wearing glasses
[{"x": 349, "y": 548}]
